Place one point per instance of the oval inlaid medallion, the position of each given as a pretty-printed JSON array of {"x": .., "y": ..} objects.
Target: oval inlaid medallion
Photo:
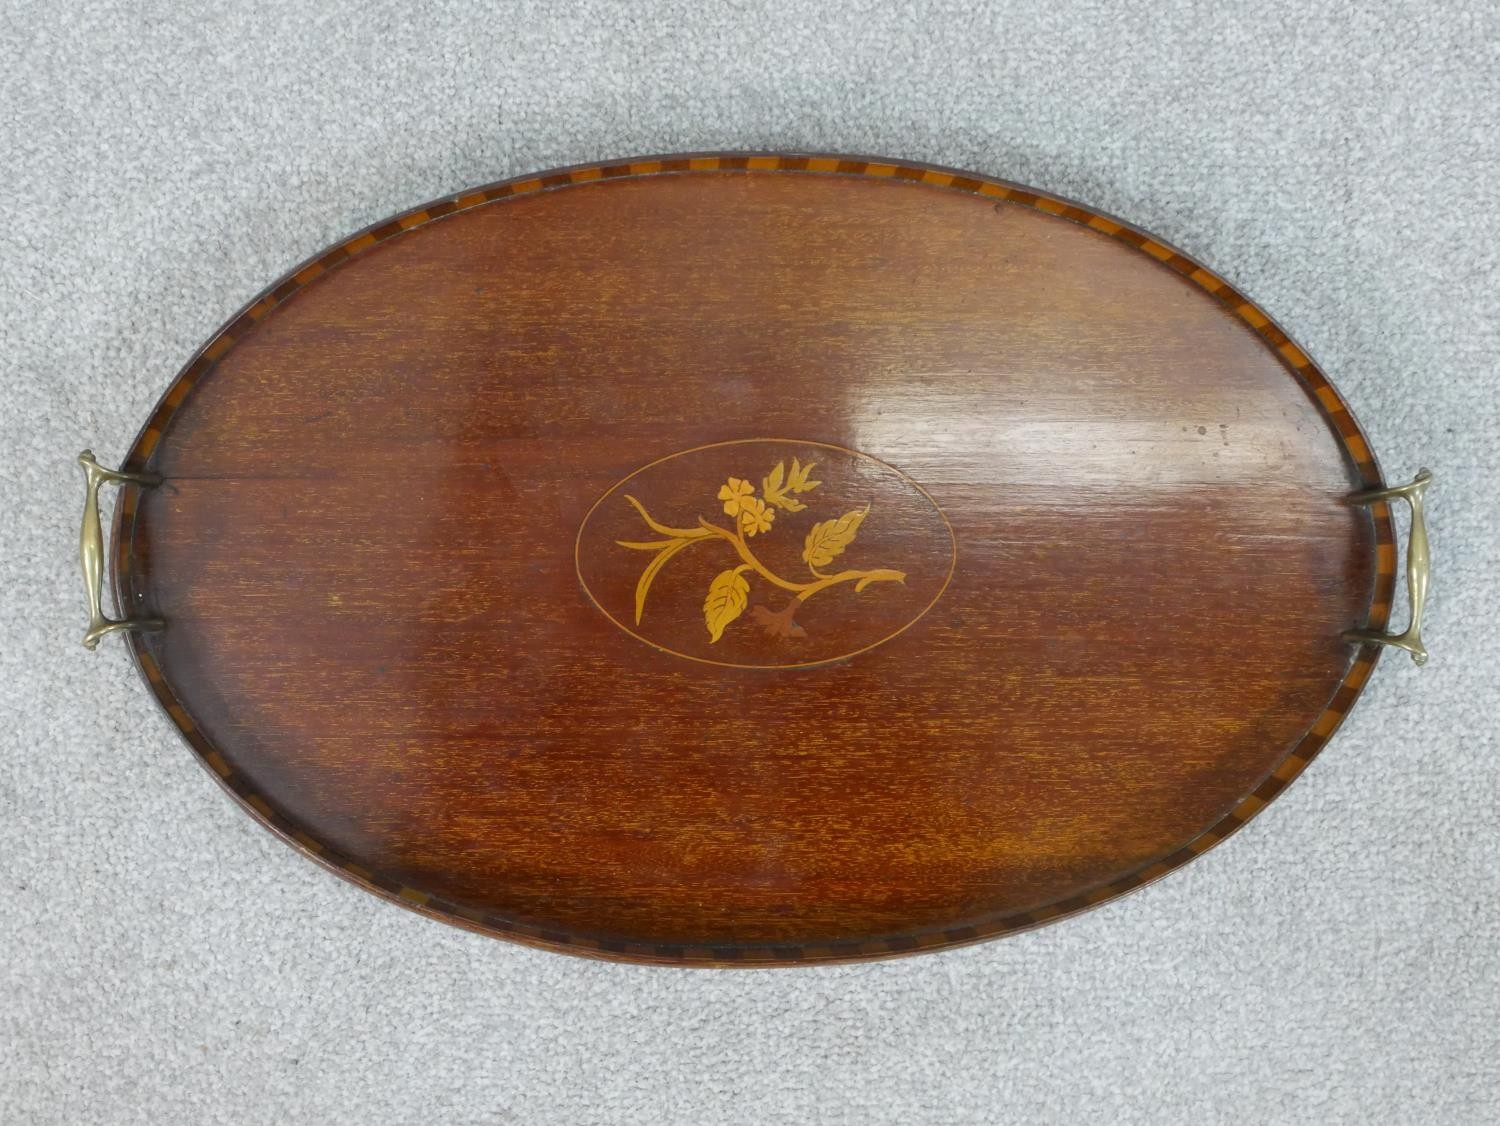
[{"x": 765, "y": 553}]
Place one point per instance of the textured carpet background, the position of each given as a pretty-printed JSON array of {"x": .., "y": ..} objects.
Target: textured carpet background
[{"x": 163, "y": 960}]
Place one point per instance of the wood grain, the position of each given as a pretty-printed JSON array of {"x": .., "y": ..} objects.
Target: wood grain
[{"x": 376, "y": 477}]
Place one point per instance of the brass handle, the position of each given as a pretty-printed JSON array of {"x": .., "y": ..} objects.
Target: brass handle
[
  {"x": 1418, "y": 567},
  {"x": 91, "y": 549}
]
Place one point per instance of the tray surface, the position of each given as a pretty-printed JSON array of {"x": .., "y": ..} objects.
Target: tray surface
[{"x": 753, "y": 559}]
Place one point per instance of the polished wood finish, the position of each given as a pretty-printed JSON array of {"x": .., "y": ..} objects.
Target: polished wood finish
[{"x": 401, "y": 624}]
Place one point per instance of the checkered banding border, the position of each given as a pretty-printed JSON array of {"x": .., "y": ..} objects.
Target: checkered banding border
[{"x": 1327, "y": 400}]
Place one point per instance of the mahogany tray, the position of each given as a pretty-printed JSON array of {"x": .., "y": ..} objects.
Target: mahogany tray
[{"x": 752, "y": 559}]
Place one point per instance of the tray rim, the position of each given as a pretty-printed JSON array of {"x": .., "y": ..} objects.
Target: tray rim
[{"x": 1324, "y": 397}]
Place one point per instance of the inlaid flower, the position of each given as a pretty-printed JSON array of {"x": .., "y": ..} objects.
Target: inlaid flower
[
  {"x": 755, "y": 516},
  {"x": 734, "y": 495}
]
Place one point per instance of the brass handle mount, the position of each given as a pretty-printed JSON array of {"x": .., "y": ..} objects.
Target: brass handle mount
[
  {"x": 91, "y": 549},
  {"x": 1418, "y": 567}
]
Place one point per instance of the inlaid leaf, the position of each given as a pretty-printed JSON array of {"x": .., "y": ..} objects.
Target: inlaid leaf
[
  {"x": 727, "y": 596},
  {"x": 774, "y": 486},
  {"x": 778, "y": 623},
  {"x": 675, "y": 533},
  {"x": 879, "y": 576},
  {"x": 669, "y": 548},
  {"x": 798, "y": 480},
  {"x": 774, "y": 479},
  {"x": 829, "y": 538}
]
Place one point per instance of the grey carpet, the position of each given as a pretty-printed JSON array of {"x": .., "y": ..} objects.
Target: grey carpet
[{"x": 163, "y": 960}]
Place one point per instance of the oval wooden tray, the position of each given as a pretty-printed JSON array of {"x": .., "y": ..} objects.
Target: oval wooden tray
[{"x": 752, "y": 559}]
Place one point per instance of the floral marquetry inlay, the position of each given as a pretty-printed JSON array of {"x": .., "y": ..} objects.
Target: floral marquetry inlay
[{"x": 820, "y": 523}]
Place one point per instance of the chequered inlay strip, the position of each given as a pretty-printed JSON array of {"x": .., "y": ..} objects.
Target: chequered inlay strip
[{"x": 1327, "y": 400}]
